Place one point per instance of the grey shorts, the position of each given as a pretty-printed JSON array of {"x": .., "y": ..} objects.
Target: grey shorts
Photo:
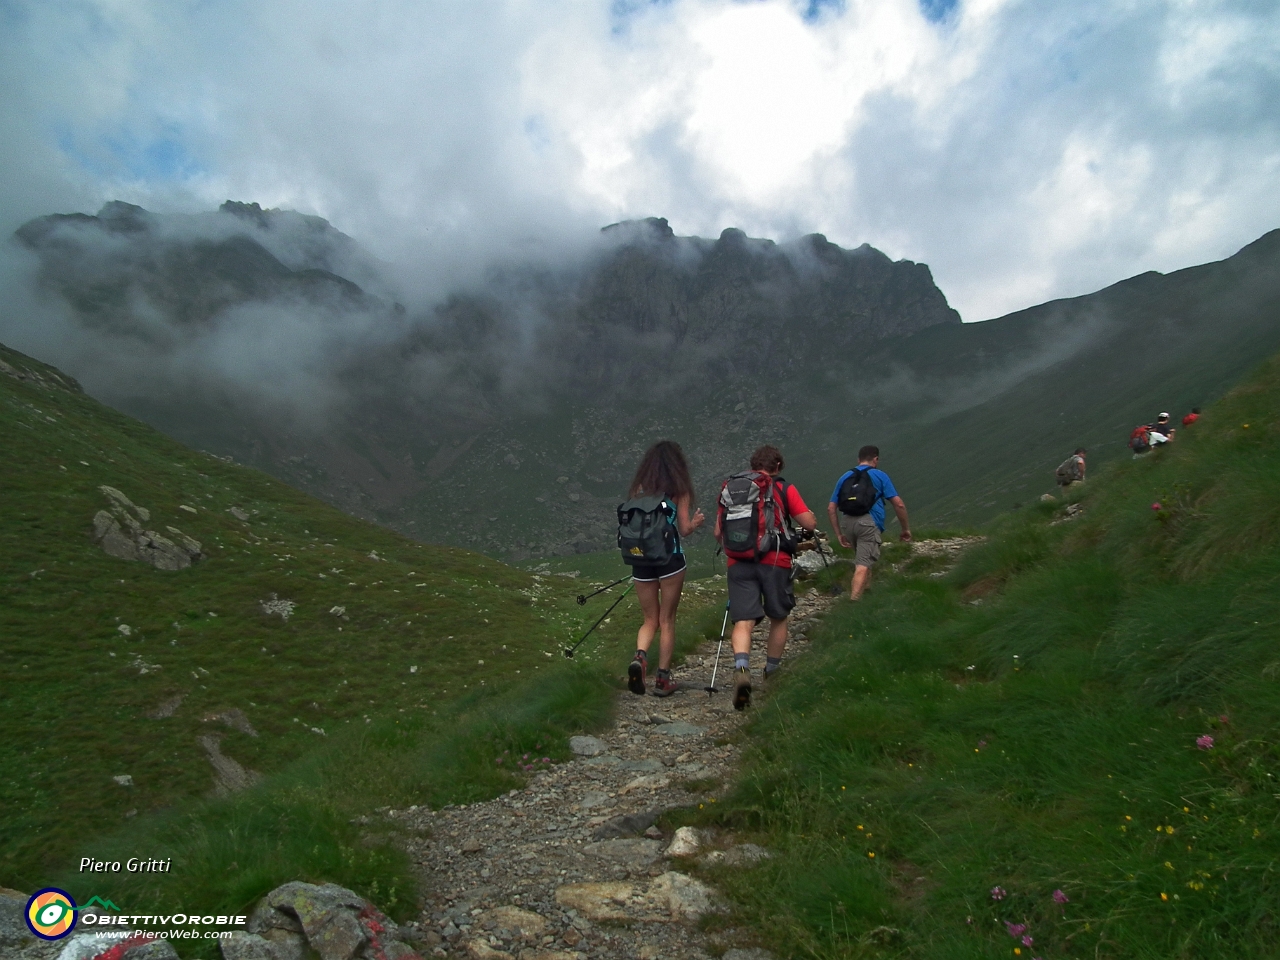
[
  {"x": 758, "y": 590},
  {"x": 863, "y": 533}
]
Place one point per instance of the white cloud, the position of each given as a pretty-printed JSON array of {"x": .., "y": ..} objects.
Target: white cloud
[{"x": 1024, "y": 150}]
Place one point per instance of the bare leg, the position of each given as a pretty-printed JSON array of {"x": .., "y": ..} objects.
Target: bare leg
[
  {"x": 741, "y": 639},
  {"x": 860, "y": 577},
  {"x": 777, "y": 637},
  {"x": 647, "y": 594},
  {"x": 668, "y": 602}
]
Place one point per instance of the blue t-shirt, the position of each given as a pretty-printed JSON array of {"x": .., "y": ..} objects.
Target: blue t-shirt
[{"x": 884, "y": 486}]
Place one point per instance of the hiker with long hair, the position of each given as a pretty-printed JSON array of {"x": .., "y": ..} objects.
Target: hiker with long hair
[{"x": 663, "y": 472}]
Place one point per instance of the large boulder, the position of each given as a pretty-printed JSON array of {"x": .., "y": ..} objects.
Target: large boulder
[
  {"x": 331, "y": 921},
  {"x": 120, "y": 532}
]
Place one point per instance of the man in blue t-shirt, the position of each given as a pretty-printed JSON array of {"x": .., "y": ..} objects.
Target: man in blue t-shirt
[{"x": 863, "y": 533}]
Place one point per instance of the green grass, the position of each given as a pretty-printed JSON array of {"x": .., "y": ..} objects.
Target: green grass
[
  {"x": 345, "y": 724},
  {"x": 1030, "y": 722}
]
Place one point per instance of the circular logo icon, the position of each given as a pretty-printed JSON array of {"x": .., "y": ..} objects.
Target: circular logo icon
[{"x": 51, "y": 913}]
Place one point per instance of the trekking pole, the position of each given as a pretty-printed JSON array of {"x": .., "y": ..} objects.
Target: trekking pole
[
  {"x": 569, "y": 651},
  {"x": 712, "y": 689},
  {"x": 582, "y": 599}
]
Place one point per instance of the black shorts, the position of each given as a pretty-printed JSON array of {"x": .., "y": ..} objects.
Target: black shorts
[
  {"x": 646, "y": 573},
  {"x": 758, "y": 590}
]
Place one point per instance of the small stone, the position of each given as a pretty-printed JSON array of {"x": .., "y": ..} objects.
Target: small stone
[
  {"x": 479, "y": 950},
  {"x": 518, "y": 920},
  {"x": 587, "y": 746},
  {"x": 124, "y": 780},
  {"x": 472, "y": 845},
  {"x": 596, "y": 901},
  {"x": 684, "y": 897},
  {"x": 653, "y": 833},
  {"x": 685, "y": 843}
]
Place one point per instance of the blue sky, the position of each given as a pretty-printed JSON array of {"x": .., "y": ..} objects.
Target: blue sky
[{"x": 1025, "y": 150}]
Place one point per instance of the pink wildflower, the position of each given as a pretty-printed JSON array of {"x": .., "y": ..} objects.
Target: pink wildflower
[
  {"x": 997, "y": 893},
  {"x": 546, "y": 759},
  {"x": 1205, "y": 742},
  {"x": 1223, "y": 719},
  {"x": 1016, "y": 929},
  {"x": 1027, "y": 940},
  {"x": 982, "y": 744},
  {"x": 1060, "y": 897},
  {"x": 1156, "y": 505}
]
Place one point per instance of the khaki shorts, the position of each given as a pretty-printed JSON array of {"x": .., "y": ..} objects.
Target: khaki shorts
[{"x": 863, "y": 533}]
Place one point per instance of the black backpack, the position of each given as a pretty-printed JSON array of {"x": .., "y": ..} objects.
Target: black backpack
[
  {"x": 645, "y": 532},
  {"x": 858, "y": 494}
]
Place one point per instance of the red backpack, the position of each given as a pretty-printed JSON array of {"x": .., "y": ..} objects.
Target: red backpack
[
  {"x": 1140, "y": 439},
  {"x": 753, "y": 516}
]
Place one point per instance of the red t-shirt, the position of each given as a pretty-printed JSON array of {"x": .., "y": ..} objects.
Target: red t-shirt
[
  {"x": 1189, "y": 419},
  {"x": 776, "y": 558}
]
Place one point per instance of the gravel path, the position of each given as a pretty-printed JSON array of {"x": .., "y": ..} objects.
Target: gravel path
[{"x": 572, "y": 866}]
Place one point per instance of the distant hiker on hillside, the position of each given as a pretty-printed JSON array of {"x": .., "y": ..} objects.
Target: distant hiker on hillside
[
  {"x": 755, "y": 523},
  {"x": 660, "y": 509},
  {"x": 859, "y": 496},
  {"x": 1161, "y": 431},
  {"x": 1070, "y": 472},
  {"x": 1191, "y": 417}
]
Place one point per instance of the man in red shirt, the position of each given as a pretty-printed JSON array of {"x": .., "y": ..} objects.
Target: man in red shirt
[{"x": 763, "y": 588}]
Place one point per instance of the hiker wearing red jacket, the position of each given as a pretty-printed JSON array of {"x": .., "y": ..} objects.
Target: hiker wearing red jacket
[{"x": 761, "y": 586}]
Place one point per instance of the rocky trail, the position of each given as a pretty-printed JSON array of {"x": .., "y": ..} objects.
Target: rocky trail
[{"x": 573, "y": 866}]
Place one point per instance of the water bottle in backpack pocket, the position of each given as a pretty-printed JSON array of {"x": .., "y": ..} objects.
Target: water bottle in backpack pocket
[
  {"x": 753, "y": 517},
  {"x": 646, "y": 531}
]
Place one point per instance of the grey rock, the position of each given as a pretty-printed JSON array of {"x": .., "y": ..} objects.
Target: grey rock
[
  {"x": 686, "y": 898},
  {"x": 235, "y": 719},
  {"x": 16, "y": 940},
  {"x": 748, "y": 953},
  {"x": 287, "y": 944},
  {"x": 745, "y": 855},
  {"x": 635, "y": 853},
  {"x": 228, "y": 776},
  {"x": 587, "y": 746},
  {"x": 249, "y": 946},
  {"x": 628, "y": 825},
  {"x": 86, "y": 946},
  {"x": 119, "y": 498},
  {"x": 303, "y": 920},
  {"x": 238, "y": 513},
  {"x": 328, "y": 916},
  {"x": 120, "y": 533}
]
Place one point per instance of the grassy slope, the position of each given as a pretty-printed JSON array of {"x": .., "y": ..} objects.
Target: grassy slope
[
  {"x": 1030, "y": 722},
  {"x": 75, "y": 702}
]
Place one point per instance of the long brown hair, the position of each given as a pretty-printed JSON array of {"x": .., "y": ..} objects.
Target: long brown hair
[{"x": 663, "y": 470}]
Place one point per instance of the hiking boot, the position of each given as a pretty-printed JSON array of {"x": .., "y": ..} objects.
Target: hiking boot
[
  {"x": 665, "y": 685},
  {"x": 741, "y": 688},
  {"x": 636, "y": 674}
]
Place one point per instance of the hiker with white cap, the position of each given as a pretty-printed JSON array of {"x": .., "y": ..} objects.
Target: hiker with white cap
[{"x": 1161, "y": 431}]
